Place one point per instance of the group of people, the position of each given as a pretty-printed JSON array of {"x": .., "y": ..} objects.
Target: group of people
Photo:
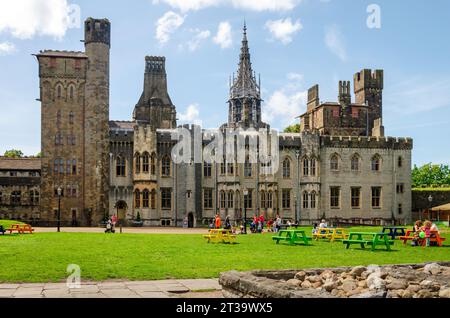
[
  {"x": 256, "y": 226},
  {"x": 422, "y": 231},
  {"x": 111, "y": 224},
  {"x": 323, "y": 225}
]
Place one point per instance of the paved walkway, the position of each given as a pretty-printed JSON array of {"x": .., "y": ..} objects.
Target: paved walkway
[
  {"x": 132, "y": 230},
  {"x": 181, "y": 288}
]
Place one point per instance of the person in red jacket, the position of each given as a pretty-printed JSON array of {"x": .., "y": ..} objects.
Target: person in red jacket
[{"x": 217, "y": 221}]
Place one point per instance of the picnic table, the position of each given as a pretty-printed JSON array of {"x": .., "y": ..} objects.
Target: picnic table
[
  {"x": 20, "y": 228},
  {"x": 434, "y": 237},
  {"x": 220, "y": 236},
  {"x": 292, "y": 237},
  {"x": 368, "y": 238},
  {"x": 394, "y": 231},
  {"x": 331, "y": 234}
]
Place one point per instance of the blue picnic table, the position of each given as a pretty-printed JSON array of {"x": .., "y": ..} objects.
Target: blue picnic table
[{"x": 394, "y": 231}]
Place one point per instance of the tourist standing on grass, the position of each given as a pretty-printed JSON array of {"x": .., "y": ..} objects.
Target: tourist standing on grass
[
  {"x": 217, "y": 221},
  {"x": 227, "y": 223},
  {"x": 278, "y": 223},
  {"x": 323, "y": 224}
]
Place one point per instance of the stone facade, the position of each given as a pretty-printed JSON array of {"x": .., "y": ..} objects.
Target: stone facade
[
  {"x": 339, "y": 166},
  {"x": 20, "y": 188}
]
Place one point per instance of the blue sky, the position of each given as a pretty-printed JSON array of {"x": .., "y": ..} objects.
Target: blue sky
[{"x": 294, "y": 45}]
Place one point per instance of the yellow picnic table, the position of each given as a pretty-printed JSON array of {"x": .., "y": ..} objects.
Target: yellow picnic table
[
  {"x": 220, "y": 236},
  {"x": 330, "y": 233}
]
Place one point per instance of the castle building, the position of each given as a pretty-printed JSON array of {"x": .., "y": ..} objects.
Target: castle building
[{"x": 340, "y": 165}]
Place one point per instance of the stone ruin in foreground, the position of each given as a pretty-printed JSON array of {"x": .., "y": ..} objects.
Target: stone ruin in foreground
[{"x": 430, "y": 280}]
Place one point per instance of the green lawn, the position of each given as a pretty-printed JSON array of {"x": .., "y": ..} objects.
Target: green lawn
[
  {"x": 7, "y": 223},
  {"x": 44, "y": 257}
]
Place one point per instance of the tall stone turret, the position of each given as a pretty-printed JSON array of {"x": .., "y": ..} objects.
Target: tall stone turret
[
  {"x": 369, "y": 91},
  {"x": 96, "y": 119},
  {"x": 155, "y": 108}
]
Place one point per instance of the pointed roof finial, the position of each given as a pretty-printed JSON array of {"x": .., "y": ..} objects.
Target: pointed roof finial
[{"x": 245, "y": 27}]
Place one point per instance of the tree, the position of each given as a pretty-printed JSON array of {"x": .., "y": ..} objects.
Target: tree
[
  {"x": 430, "y": 175},
  {"x": 39, "y": 155},
  {"x": 14, "y": 153},
  {"x": 293, "y": 129}
]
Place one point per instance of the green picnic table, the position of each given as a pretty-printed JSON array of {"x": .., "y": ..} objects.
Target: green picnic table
[
  {"x": 368, "y": 238},
  {"x": 292, "y": 237}
]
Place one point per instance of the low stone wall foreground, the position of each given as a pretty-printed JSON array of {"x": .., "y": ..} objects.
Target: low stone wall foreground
[{"x": 431, "y": 280}]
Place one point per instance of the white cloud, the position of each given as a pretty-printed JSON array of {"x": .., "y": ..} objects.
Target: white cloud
[
  {"x": 189, "y": 5},
  {"x": 283, "y": 29},
  {"x": 191, "y": 115},
  {"x": 168, "y": 24},
  {"x": 223, "y": 36},
  {"x": 334, "y": 40},
  {"x": 26, "y": 18},
  {"x": 265, "y": 5},
  {"x": 7, "y": 48},
  {"x": 287, "y": 103},
  {"x": 200, "y": 35},
  {"x": 252, "y": 5}
]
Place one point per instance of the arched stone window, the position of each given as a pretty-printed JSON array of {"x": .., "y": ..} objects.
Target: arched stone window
[
  {"x": 71, "y": 118},
  {"x": 305, "y": 166},
  {"x": 16, "y": 197},
  {"x": 230, "y": 199},
  {"x": 263, "y": 199},
  {"x": 34, "y": 197},
  {"x": 269, "y": 200},
  {"x": 247, "y": 168},
  {"x": 286, "y": 168},
  {"x": 145, "y": 162},
  {"x": 222, "y": 199},
  {"x": 59, "y": 91},
  {"x": 376, "y": 163},
  {"x": 153, "y": 164},
  {"x": 400, "y": 162},
  {"x": 137, "y": 199},
  {"x": 305, "y": 200},
  {"x": 355, "y": 162},
  {"x": 313, "y": 200},
  {"x": 334, "y": 162},
  {"x": 71, "y": 94},
  {"x": 137, "y": 163},
  {"x": 313, "y": 166},
  {"x": 145, "y": 198},
  {"x": 120, "y": 166},
  {"x": 165, "y": 166}
]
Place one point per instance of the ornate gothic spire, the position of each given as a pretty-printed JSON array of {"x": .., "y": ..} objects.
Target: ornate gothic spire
[{"x": 245, "y": 85}]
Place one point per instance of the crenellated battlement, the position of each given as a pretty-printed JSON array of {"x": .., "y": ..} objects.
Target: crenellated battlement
[
  {"x": 155, "y": 64},
  {"x": 395, "y": 143}
]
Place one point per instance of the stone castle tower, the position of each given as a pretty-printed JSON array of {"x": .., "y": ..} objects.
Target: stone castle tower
[
  {"x": 74, "y": 126},
  {"x": 369, "y": 91},
  {"x": 155, "y": 108}
]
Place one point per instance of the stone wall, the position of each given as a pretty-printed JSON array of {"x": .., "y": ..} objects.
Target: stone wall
[{"x": 391, "y": 281}]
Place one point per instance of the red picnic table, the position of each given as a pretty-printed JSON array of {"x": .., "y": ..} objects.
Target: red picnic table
[{"x": 434, "y": 237}]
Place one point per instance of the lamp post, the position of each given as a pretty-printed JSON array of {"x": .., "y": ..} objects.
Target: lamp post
[
  {"x": 430, "y": 199},
  {"x": 59, "y": 208},
  {"x": 297, "y": 206},
  {"x": 245, "y": 210}
]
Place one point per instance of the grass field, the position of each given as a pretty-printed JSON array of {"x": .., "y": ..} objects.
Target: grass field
[{"x": 44, "y": 257}]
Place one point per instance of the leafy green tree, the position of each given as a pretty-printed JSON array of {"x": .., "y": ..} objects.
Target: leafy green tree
[
  {"x": 293, "y": 129},
  {"x": 430, "y": 175},
  {"x": 39, "y": 155},
  {"x": 14, "y": 153}
]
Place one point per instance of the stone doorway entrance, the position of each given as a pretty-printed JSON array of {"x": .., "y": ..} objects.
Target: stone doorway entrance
[
  {"x": 121, "y": 208},
  {"x": 190, "y": 220}
]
